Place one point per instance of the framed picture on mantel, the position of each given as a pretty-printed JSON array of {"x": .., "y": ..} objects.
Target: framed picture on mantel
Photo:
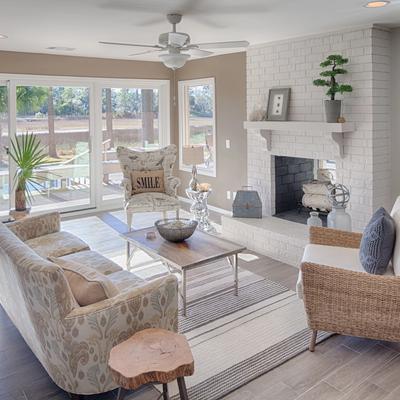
[{"x": 278, "y": 103}]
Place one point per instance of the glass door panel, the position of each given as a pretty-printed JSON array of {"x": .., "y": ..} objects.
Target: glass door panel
[
  {"x": 59, "y": 116},
  {"x": 4, "y": 160},
  {"x": 130, "y": 118}
]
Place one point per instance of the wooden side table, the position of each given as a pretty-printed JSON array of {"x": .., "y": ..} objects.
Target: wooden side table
[{"x": 152, "y": 356}]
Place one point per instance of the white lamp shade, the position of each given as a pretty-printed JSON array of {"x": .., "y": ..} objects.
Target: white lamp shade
[
  {"x": 174, "y": 60},
  {"x": 193, "y": 155}
]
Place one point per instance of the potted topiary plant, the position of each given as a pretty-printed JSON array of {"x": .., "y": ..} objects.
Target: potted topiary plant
[
  {"x": 333, "y": 107},
  {"x": 28, "y": 155}
]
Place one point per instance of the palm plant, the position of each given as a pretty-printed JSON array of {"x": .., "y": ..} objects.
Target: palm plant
[{"x": 28, "y": 154}]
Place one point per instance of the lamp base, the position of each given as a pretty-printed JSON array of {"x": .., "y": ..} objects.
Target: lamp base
[{"x": 193, "y": 181}]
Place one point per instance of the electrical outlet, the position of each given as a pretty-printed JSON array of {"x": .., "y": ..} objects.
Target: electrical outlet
[
  {"x": 228, "y": 194},
  {"x": 228, "y": 143}
]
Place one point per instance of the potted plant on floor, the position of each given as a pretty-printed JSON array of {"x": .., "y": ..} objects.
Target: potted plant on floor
[
  {"x": 28, "y": 155},
  {"x": 333, "y": 107}
]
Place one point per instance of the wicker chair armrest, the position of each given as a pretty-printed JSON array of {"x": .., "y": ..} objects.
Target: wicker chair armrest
[
  {"x": 36, "y": 226},
  {"x": 352, "y": 303},
  {"x": 334, "y": 237}
]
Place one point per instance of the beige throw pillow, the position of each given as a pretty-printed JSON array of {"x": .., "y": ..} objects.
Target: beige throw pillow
[
  {"x": 87, "y": 285},
  {"x": 147, "y": 181}
]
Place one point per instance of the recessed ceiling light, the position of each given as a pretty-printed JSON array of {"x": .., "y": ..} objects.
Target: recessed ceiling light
[
  {"x": 3, "y": 36},
  {"x": 377, "y": 4},
  {"x": 61, "y": 48}
]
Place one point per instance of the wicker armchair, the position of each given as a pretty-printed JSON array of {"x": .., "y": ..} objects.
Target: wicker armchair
[{"x": 347, "y": 301}]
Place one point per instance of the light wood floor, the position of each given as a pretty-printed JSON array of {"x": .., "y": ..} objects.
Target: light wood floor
[{"x": 342, "y": 368}]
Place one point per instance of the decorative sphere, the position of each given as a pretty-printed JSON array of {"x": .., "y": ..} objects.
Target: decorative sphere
[{"x": 339, "y": 195}]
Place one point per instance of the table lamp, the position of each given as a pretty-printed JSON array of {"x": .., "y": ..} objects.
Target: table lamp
[{"x": 193, "y": 155}]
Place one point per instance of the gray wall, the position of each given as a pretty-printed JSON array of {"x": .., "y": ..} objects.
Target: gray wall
[
  {"x": 229, "y": 72},
  {"x": 396, "y": 113}
]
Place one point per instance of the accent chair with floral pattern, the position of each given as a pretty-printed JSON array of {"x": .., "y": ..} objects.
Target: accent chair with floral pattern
[
  {"x": 132, "y": 160},
  {"x": 73, "y": 342}
]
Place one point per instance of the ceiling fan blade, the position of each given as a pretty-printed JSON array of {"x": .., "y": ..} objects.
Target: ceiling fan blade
[
  {"x": 198, "y": 52},
  {"x": 155, "y": 46},
  {"x": 223, "y": 45},
  {"x": 145, "y": 52}
]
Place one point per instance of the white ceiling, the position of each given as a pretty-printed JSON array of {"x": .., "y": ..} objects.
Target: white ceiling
[{"x": 34, "y": 25}]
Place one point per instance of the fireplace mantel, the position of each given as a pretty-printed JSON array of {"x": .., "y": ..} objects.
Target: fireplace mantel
[{"x": 335, "y": 130}]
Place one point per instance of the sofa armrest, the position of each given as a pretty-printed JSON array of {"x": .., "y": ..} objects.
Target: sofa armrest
[
  {"x": 154, "y": 304},
  {"x": 173, "y": 183},
  {"x": 334, "y": 237},
  {"x": 36, "y": 226},
  {"x": 352, "y": 303}
]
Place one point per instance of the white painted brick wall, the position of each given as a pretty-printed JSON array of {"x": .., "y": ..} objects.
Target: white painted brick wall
[{"x": 365, "y": 168}]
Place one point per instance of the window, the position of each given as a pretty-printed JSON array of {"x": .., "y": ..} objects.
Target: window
[{"x": 197, "y": 121}]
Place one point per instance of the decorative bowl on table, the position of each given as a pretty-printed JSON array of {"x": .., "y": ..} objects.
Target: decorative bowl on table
[{"x": 176, "y": 230}]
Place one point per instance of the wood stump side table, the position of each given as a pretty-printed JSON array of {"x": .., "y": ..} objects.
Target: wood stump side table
[{"x": 152, "y": 356}]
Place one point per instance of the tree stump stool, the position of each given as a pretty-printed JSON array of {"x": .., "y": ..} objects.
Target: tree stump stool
[{"x": 152, "y": 356}]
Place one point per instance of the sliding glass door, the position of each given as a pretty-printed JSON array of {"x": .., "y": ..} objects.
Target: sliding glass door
[
  {"x": 80, "y": 122},
  {"x": 130, "y": 118},
  {"x": 59, "y": 117},
  {"x": 4, "y": 161}
]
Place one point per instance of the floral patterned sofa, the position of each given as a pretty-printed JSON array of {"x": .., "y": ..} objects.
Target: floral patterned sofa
[{"x": 72, "y": 342}]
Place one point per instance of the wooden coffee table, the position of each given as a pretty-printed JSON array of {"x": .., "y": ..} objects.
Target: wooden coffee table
[
  {"x": 200, "y": 249},
  {"x": 152, "y": 356}
]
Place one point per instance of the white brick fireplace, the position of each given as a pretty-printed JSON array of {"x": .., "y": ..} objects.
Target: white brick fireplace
[{"x": 365, "y": 163}]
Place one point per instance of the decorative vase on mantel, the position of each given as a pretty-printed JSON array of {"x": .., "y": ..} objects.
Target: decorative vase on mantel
[{"x": 333, "y": 109}]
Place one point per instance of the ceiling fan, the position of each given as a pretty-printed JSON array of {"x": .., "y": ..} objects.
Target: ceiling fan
[{"x": 176, "y": 46}]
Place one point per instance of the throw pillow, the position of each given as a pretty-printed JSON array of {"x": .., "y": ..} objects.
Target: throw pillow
[
  {"x": 87, "y": 285},
  {"x": 377, "y": 243},
  {"x": 147, "y": 181}
]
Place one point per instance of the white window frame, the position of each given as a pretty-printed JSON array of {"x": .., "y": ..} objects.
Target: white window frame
[
  {"x": 95, "y": 86},
  {"x": 182, "y": 92}
]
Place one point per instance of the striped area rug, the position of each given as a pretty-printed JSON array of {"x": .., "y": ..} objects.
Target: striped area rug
[{"x": 236, "y": 339}]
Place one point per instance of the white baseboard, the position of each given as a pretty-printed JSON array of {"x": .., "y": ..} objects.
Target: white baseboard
[{"x": 212, "y": 208}]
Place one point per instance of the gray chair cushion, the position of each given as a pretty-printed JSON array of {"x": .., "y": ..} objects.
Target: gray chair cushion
[{"x": 377, "y": 242}]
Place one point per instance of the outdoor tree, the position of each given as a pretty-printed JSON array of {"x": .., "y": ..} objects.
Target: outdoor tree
[{"x": 334, "y": 63}]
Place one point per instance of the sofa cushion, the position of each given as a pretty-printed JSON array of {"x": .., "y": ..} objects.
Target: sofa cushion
[
  {"x": 124, "y": 280},
  {"x": 57, "y": 244},
  {"x": 395, "y": 214},
  {"x": 93, "y": 260},
  {"x": 87, "y": 285},
  {"x": 332, "y": 256},
  {"x": 376, "y": 248}
]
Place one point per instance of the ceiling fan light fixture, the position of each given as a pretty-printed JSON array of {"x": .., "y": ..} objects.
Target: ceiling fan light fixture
[
  {"x": 174, "y": 60},
  {"x": 377, "y": 4},
  {"x": 2, "y": 36}
]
